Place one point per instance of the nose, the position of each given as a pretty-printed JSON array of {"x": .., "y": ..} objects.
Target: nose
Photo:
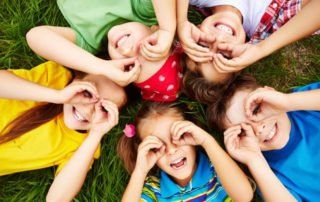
[
  {"x": 127, "y": 49},
  {"x": 220, "y": 38},
  {"x": 171, "y": 148},
  {"x": 258, "y": 128},
  {"x": 88, "y": 109}
]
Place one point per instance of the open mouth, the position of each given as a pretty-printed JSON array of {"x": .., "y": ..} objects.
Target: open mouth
[
  {"x": 179, "y": 163},
  {"x": 225, "y": 28},
  {"x": 273, "y": 134},
  {"x": 78, "y": 116},
  {"x": 121, "y": 40}
]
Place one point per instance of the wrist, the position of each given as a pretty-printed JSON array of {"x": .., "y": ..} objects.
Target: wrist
[
  {"x": 256, "y": 162},
  {"x": 96, "y": 134},
  {"x": 139, "y": 173},
  {"x": 207, "y": 141}
]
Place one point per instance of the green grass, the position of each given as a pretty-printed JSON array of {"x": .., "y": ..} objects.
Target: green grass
[{"x": 293, "y": 66}]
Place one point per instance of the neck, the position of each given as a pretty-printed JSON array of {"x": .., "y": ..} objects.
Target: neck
[
  {"x": 149, "y": 68},
  {"x": 185, "y": 182}
]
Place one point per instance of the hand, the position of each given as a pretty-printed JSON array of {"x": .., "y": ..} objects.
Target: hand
[
  {"x": 187, "y": 133},
  {"x": 157, "y": 45},
  {"x": 265, "y": 102},
  {"x": 150, "y": 150},
  {"x": 189, "y": 37},
  {"x": 241, "y": 143},
  {"x": 242, "y": 56},
  {"x": 78, "y": 92},
  {"x": 106, "y": 116},
  {"x": 124, "y": 71}
]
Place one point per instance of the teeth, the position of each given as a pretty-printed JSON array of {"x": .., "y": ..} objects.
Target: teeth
[
  {"x": 79, "y": 116},
  {"x": 272, "y": 133},
  {"x": 122, "y": 39},
  {"x": 177, "y": 161},
  {"x": 225, "y": 28}
]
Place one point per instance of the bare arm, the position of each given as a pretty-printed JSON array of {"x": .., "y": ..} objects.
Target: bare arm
[
  {"x": 70, "y": 179},
  {"x": 15, "y": 87},
  {"x": 58, "y": 44},
  {"x": 233, "y": 180},
  {"x": 303, "y": 24},
  {"x": 166, "y": 14},
  {"x": 245, "y": 149}
]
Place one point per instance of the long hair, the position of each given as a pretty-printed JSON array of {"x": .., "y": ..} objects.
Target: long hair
[
  {"x": 30, "y": 120},
  {"x": 33, "y": 117},
  {"x": 127, "y": 147}
]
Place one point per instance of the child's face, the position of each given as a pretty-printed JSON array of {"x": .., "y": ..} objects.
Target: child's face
[
  {"x": 226, "y": 26},
  {"x": 79, "y": 116},
  {"x": 178, "y": 161},
  {"x": 124, "y": 39},
  {"x": 273, "y": 132}
]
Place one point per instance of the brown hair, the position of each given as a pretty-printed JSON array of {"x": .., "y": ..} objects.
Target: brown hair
[
  {"x": 33, "y": 117},
  {"x": 216, "y": 111},
  {"x": 29, "y": 120},
  {"x": 195, "y": 86},
  {"x": 127, "y": 147}
]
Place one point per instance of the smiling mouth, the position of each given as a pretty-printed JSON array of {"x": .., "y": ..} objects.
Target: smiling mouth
[
  {"x": 225, "y": 28},
  {"x": 273, "y": 133},
  {"x": 121, "y": 40},
  {"x": 78, "y": 116},
  {"x": 179, "y": 163}
]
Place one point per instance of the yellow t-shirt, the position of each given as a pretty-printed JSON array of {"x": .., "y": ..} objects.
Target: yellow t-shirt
[{"x": 48, "y": 145}]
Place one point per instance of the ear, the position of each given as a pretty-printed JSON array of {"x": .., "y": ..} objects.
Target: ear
[{"x": 154, "y": 28}]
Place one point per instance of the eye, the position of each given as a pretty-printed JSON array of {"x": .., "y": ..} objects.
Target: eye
[
  {"x": 256, "y": 109},
  {"x": 154, "y": 150},
  {"x": 87, "y": 94},
  {"x": 226, "y": 55}
]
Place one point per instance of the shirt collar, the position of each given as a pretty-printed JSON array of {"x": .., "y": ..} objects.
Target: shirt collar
[{"x": 201, "y": 177}]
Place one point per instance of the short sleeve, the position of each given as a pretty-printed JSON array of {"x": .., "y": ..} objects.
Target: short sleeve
[
  {"x": 150, "y": 186},
  {"x": 48, "y": 74},
  {"x": 70, "y": 155},
  {"x": 81, "y": 41},
  {"x": 312, "y": 86}
]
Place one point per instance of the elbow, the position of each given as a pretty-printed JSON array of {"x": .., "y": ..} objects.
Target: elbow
[
  {"x": 55, "y": 197},
  {"x": 248, "y": 196},
  {"x": 34, "y": 34}
]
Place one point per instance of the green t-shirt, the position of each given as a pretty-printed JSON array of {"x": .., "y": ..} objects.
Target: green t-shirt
[{"x": 92, "y": 19}]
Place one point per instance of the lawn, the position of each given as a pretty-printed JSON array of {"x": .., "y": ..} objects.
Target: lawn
[{"x": 293, "y": 66}]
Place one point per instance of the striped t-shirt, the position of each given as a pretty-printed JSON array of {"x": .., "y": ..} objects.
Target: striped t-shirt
[{"x": 204, "y": 186}]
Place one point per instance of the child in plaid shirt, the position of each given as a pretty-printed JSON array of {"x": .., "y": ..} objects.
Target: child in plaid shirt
[{"x": 221, "y": 36}]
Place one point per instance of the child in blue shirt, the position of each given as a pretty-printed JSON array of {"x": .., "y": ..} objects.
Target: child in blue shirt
[
  {"x": 275, "y": 134},
  {"x": 166, "y": 139}
]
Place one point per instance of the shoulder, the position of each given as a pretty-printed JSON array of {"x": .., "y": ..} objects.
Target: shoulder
[{"x": 151, "y": 188}]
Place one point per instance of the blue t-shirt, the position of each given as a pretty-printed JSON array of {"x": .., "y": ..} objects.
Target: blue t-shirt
[
  {"x": 204, "y": 186},
  {"x": 297, "y": 164}
]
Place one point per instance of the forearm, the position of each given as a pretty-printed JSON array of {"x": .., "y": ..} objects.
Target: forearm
[
  {"x": 182, "y": 10},
  {"x": 134, "y": 188},
  {"x": 305, "y": 100},
  {"x": 166, "y": 14},
  {"x": 58, "y": 44},
  {"x": 70, "y": 179},
  {"x": 233, "y": 180},
  {"x": 291, "y": 31},
  {"x": 15, "y": 87},
  {"x": 270, "y": 186}
]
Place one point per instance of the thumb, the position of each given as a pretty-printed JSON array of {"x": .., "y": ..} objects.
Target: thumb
[{"x": 248, "y": 130}]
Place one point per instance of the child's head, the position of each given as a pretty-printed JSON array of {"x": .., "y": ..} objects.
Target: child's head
[
  {"x": 79, "y": 116},
  {"x": 124, "y": 40},
  {"x": 226, "y": 25},
  {"x": 228, "y": 110},
  {"x": 198, "y": 84},
  {"x": 156, "y": 119}
]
